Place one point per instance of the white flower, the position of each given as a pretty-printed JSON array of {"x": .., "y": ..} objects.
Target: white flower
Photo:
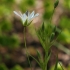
[{"x": 26, "y": 17}]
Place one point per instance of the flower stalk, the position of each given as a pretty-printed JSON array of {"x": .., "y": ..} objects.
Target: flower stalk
[{"x": 26, "y": 47}]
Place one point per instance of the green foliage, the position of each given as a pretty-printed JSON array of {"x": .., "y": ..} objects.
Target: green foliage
[
  {"x": 56, "y": 65},
  {"x": 39, "y": 56},
  {"x": 6, "y": 40},
  {"x": 64, "y": 36},
  {"x": 7, "y": 56},
  {"x": 3, "y": 67},
  {"x": 61, "y": 67},
  {"x": 6, "y": 7},
  {"x": 6, "y": 1},
  {"x": 61, "y": 47},
  {"x": 67, "y": 4},
  {"x": 17, "y": 67},
  {"x": 40, "y": 59},
  {"x": 68, "y": 67},
  {"x": 65, "y": 25},
  {"x": 29, "y": 2},
  {"x": 44, "y": 34},
  {"x": 10, "y": 42},
  {"x": 4, "y": 11},
  {"x": 5, "y": 26},
  {"x": 49, "y": 7},
  {"x": 26, "y": 5},
  {"x": 0, "y": 58}
]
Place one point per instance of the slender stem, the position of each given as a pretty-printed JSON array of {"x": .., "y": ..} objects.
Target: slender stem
[{"x": 26, "y": 47}]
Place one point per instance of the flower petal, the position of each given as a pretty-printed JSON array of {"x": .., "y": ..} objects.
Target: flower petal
[
  {"x": 17, "y": 13},
  {"x": 36, "y": 15},
  {"x": 20, "y": 13},
  {"x": 31, "y": 15},
  {"x": 29, "y": 20},
  {"x": 28, "y": 13},
  {"x": 24, "y": 18}
]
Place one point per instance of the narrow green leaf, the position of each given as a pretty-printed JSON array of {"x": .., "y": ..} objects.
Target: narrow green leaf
[
  {"x": 61, "y": 47},
  {"x": 47, "y": 59},
  {"x": 40, "y": 57},
  {"x": 40, "y": 39},
  {"x": 52, "y": 36},
  {"x": 36, "y": 61},
  {"x": 61, "y": 66},
  {"x": 43, "y": 26},
  {"x": 56, "y": 65}
]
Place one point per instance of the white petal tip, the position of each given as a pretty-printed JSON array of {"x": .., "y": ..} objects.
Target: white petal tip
[
  {"x": 14, "y": 12},
  {"x": 37, "y": 15},
  {"x": 17, "y": 13}
]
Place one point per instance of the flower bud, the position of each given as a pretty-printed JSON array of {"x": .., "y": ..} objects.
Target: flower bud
[{"x": 56, "y": 3}]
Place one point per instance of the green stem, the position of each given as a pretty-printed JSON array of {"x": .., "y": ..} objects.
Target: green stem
[{"x": 26, "y": 47}]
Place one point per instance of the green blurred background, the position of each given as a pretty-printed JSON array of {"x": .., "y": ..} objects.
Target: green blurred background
[{"x": 12, "y": 51}]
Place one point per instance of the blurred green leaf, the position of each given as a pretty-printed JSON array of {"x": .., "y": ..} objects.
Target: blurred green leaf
[
  {"x": 3, "y": 67},
  {"x": 67, "y": 4},
  {"x": 40, "y": 58},
  {"x": 64, "y": 23},
  {"x": 49, "y": 7},
  {"x": 30, "y": 2},
  {"x": 10, "y": 42},
  {"x": 61, "y": 47},
  {"x": 64, "y": 36},
  {"x": 56, "y": 64},
  {"x": 17, "y": 67},
  {"x": 26, "y": 5},
  {"x": 5, "y": 26},
  {"x": 59, "y": 67}
]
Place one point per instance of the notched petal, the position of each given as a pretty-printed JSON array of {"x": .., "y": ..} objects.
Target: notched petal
[
  {"x": 20, "y": 13},
  {"x": 36, "y": 14},
  {"x": 32, "y": 15},
  {"x": 24, "y": 18},
  {"x": 17, "y": 13}
]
